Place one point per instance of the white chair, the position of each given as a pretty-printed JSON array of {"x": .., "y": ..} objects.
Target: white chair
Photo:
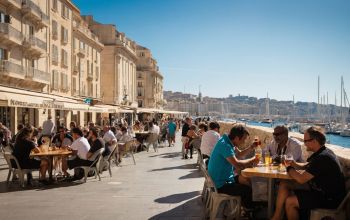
[
  {"x": 95, "y": 166},
  {"x": 130, "y": 147},
  {"x": 338, "y": 214},
  {"x": 15, "y": 171},
  {"x": 152, "y": 139},
  {"x": 107, "y": 160},
  {"x": 216, "y": 199}
]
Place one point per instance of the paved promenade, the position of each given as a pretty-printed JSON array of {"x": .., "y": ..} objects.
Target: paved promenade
[{"x": 160, "y": 186}]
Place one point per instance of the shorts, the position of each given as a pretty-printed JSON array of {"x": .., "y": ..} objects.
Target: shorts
[
  {"x": 171, "y": 136},
  {"x": 312, "y": 199},
  {"x": 77, "y": 162}
]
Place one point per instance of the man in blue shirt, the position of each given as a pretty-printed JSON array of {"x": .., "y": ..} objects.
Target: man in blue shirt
[
  {"x": 171, "y": 131},
  {"x": 223, "y": 163}
]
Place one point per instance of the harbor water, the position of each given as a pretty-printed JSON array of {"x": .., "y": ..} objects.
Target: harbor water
[{"x": 331, "y": 138}]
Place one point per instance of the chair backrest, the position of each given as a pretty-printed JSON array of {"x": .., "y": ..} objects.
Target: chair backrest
[
  {"x": 129, "y": 146},
  {"x": 343, "y": 203},
  {"x": 96, "y": 157},
  {"x": 210, "y": 182},
  {"x": 8, "y": 157},
  {"x": 113, "y": 149}
]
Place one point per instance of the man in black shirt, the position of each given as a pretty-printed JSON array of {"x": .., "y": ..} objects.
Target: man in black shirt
[
  {"x": 185, "y": 139},
  {"x": 96, "y": 142},
  {"x": 322, "y": 173}
]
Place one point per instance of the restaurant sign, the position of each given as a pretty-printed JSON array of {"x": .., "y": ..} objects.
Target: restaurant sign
[{"x": 28, "y": 104}]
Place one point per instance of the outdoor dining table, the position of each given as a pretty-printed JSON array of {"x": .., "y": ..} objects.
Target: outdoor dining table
[
  {"x": 271, "y": 173},
  {"x": 50, "y": 153},
  {"x": 141, "y": 136}
]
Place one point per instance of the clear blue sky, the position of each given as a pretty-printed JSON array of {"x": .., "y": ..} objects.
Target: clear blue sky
[{"x": 247, "y": 47}]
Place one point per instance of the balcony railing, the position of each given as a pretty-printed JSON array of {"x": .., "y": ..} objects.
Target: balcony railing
[
  {"x": 81, "y": 52},
  {"x": 126, "y": 46},
  {"x": 36, "y": 74},
  {"x": 35, "y": 9},
  {"x": 90, "y": 75},
  {"x": 12, "y": 32},
  {"x": 10, "y": 67},
  {"x": 34, "y": 42},
  {"x": 41, "y": 75}
]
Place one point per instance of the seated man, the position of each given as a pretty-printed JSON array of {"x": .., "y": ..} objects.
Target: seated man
[
  {"x": 209, "y": 139},
  {"x": 282, "y": 144},
  {"x": 109, "y": 139},
  {"x": 322, "y": 173},
  {"x": 80, "y": 148},
  {"x": 223, "y": 163}
]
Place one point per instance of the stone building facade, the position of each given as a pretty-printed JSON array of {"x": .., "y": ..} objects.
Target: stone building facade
[{"x": 149, "y": 80}]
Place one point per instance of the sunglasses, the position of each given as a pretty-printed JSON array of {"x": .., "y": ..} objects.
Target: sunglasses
[{"x": 305, "y": 141}]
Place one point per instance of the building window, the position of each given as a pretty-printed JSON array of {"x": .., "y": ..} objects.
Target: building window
[
  {"x": 139, "y": 84},
  {"x": 3, "y": 54},
  {"x": 64, "y": 35},
  {"x": 74, "y": 86},
  {"x": 81, "y": 45},
  {"x": 54, "y": 53},
  {"x": 65, "y": 11},
  {"x": 4, "y": 18},
  {"x": 54, "y": 29},
  {"x": 54, "y": 5},
  {"x": 64, "y": 59},
  {"x": 55, "y": 80},
  {"x": 139, "y": 103}
]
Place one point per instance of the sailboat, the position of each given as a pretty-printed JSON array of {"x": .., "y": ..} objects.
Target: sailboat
[{"x": 344, "y": 111}]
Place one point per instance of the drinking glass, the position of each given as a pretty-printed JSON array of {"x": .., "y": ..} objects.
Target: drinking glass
[
  {"x": 288, "y": 158},
  {"x": 268, "y": 159}
]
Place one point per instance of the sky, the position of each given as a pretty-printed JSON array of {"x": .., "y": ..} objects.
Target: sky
[{"x": 246, "y": 47}]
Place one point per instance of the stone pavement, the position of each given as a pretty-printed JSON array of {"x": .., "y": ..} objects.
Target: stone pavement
[{"x": 160, "y": 186}]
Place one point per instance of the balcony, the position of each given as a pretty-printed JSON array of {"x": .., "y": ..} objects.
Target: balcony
[
  {"x": 125, "y": 46},
  {"x": 38, "y": 75},
  {"x": 32, "y": 12},
  {"x": 10, "y": 69},
  {"x": 86, "y": 33},
  {"x": 10, "y": 36},
  {"x": 33, "y": 47},
  {"x": 81, "y": 52},
  {"x": 12, "y": 4}
]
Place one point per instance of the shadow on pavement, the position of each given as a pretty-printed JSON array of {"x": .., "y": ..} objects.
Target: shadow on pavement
[
  {"x": 14, "y": 187},
  {"x": 168, "y": 155},
  {"x": 192, "y": 209},
  {"x": 176, "y": 198},
  {"x": 185, "y": 166},
  {"x": 192, "y": 174}
]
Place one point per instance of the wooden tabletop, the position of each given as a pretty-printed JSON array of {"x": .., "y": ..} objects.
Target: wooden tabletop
[
  {"x": 141, "y": 132},
  {"x": 265, "y": 171},
  {"x": 58, "y": 152}
]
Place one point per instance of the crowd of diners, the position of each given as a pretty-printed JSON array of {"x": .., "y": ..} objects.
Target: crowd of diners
[{"x": 82, "y": 141}]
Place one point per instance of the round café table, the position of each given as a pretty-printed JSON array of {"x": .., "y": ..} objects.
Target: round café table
[{"x": 50, "y": 154}]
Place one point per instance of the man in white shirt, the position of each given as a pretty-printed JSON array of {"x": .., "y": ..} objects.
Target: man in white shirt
[
  {"x": 80, "y": 148},
  {"x": 108, "y": 137},
  {"x": 48, "y": 127},
  {"x": 209, "y": 139},
  {"x": 284, "y": 145}
]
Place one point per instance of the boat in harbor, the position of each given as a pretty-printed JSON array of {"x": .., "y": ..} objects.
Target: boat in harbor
[
  {"x": 345, "y": 132},
  {"x": 266, "y": 120}
]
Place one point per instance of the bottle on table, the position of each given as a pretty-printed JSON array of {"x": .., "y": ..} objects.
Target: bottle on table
[{"x": 258, "y": 150}]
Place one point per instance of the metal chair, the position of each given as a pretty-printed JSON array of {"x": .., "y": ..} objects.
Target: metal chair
[
  {"x": 338, "y": 214},
  {"x": 107, "y": 160},
  {"x": 95, "y": 166}
]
